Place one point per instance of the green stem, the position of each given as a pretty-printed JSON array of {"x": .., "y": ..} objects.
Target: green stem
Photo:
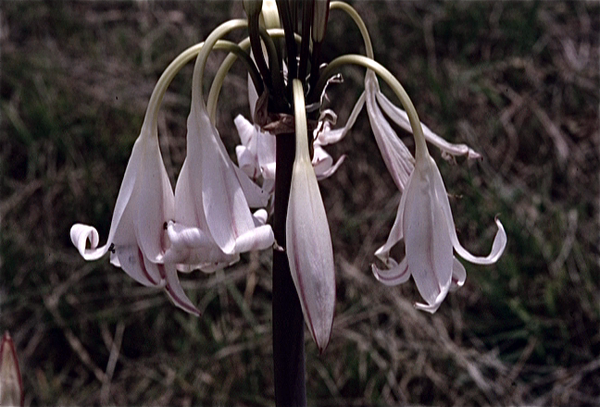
[
  {"x": 209, "y": 44},
  {"x": 179, "y": 62},
  {"x": 340, "y": 5}
]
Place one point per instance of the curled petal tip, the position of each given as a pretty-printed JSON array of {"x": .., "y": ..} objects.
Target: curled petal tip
[
  {"x": 459, "y": 275},
  {"x": 396, "y": 274},
  {"x": 80, "y": 235}
]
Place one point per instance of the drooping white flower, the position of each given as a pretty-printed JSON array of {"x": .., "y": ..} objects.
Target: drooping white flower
[
  {"x": 424, "y": 221},
  {"x": 213, "y": 222},
  {"x": 308, "y": 240},
  {"x": 137, "y": 237}
]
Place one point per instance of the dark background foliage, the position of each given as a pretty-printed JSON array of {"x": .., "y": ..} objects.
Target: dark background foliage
[{"x": 516, "y": 81}]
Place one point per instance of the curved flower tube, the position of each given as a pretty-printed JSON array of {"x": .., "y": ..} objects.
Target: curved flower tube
[{"x": 309, "y": 248}]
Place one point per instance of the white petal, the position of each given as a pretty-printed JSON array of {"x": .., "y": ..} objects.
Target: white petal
[
  {"x": 396, "y": 156},
  {"x": 333, "y": 136},
  {"x": 213, "y": 178},
  {"x": 323, "y": 164},
  {"x": 500, "y": 239},
  {"x": 128, "y": 184},
  {"x": 331, "y": 170},
  {"x": 131, "y": 260},
  {"x": 80, "y": 235},
  {"x": 396, "y": 234},
  {"x": 182, "y": 236},
  {"x": 245, "y": 129},
  {"x": 175, "y": 291},
  {"x": 397, "y": 274},
  {"x": 154, "y": 201},
  {"x": 256, "y": 196},
  {"x": 433, "y": 307},
  {"x": 260, "y": 217},
  {"x": 259, "y": 238},
  {"x": 265, "y": 152},
  {"x": 428, "y": 244},
  {"x": 247, "y": 161},
  {"x": 193, "y": 247},
  {"x": 400, "y": 117}
]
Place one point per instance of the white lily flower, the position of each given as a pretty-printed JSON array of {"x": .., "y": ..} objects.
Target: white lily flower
[
  {"x": 424, "y": 220},
  {"x": 213, "y": 199},
  {"x": 136, "y": 239},
  {"x": 308, "y": 240}
]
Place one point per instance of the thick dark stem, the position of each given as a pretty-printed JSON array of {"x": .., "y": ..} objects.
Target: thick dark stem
[
  {"x": 288, "y": 321},
  {"x": 307, "y": 16}
]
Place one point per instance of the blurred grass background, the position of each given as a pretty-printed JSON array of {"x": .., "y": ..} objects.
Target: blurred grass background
[{"x": 517, "y": 81}]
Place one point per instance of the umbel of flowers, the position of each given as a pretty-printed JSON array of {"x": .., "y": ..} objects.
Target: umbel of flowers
[{"x": 270, "y": 198}]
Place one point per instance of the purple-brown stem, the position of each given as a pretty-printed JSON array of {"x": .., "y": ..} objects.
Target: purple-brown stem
[{"x": 288, "y": 321}]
